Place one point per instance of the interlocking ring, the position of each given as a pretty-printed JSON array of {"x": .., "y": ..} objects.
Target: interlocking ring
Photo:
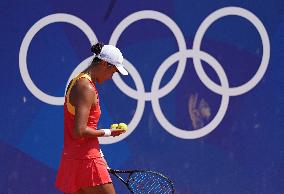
[
  {"x": 181, "y": 56},
  {"x": 234, "y": 91},
  {"x": 59, "y": 17}
]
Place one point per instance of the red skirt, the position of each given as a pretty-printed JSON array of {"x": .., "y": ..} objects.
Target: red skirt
[{"x": 76, "y": 173}]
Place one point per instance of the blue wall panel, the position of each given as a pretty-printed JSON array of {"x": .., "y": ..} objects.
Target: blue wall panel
[{"x": 239, "y": 151}]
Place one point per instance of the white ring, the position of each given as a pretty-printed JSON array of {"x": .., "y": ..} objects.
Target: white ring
[
  {"x": 234, "y": 91},
  {"x": 193, "y": 134},
  {"x": 60, "y": 17},
  {"x": 155, "y": 15}
]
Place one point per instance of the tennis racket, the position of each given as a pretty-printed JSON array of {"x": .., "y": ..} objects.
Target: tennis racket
[{"x": 144, "y": 181}]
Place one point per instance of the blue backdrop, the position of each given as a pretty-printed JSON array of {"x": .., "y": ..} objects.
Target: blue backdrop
[{"x": 213, "y": 128}]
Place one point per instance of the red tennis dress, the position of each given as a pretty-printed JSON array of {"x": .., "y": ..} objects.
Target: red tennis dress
[{"x": 81, "y": 162}]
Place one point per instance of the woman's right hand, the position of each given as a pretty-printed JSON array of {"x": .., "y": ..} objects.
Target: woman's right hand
[{"x": 117, "y": 132}]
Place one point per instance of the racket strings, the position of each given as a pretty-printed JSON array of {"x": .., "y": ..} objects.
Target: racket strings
[{"x": 148, "y": 182}]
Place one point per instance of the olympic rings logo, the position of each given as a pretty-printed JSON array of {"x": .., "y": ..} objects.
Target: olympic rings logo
[{"x": 156, "y": 93}]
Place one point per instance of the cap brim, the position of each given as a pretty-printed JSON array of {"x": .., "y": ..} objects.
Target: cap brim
[{"x": 122, "y": 70}]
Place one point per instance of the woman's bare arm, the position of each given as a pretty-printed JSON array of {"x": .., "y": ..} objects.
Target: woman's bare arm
[{"x": 83, "y": 101}]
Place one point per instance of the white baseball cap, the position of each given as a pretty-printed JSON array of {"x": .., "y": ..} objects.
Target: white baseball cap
[{"x": 112, "y": 55}]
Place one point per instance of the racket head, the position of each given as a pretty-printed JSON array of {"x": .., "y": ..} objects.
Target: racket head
[{"x": 147, "y": 181}]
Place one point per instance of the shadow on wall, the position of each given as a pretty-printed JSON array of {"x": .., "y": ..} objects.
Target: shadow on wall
[{"x": 199, "y": 111}]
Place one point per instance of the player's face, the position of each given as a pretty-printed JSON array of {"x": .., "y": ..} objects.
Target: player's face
[{"x": 107, "y": 70}]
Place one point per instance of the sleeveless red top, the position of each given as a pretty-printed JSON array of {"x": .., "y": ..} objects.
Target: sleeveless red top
[{"x": 85, "y": 147}]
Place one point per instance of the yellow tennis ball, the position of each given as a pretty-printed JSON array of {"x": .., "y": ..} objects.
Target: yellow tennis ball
[
  {"x": 114, "y": 126},
  {"x": 122, "y": 126}
]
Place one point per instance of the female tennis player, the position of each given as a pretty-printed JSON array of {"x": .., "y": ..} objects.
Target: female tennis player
[{"x": 83, "y": 169}]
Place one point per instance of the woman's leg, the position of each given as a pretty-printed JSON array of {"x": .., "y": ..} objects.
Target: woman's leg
[{"x": 101, "y": 189}]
